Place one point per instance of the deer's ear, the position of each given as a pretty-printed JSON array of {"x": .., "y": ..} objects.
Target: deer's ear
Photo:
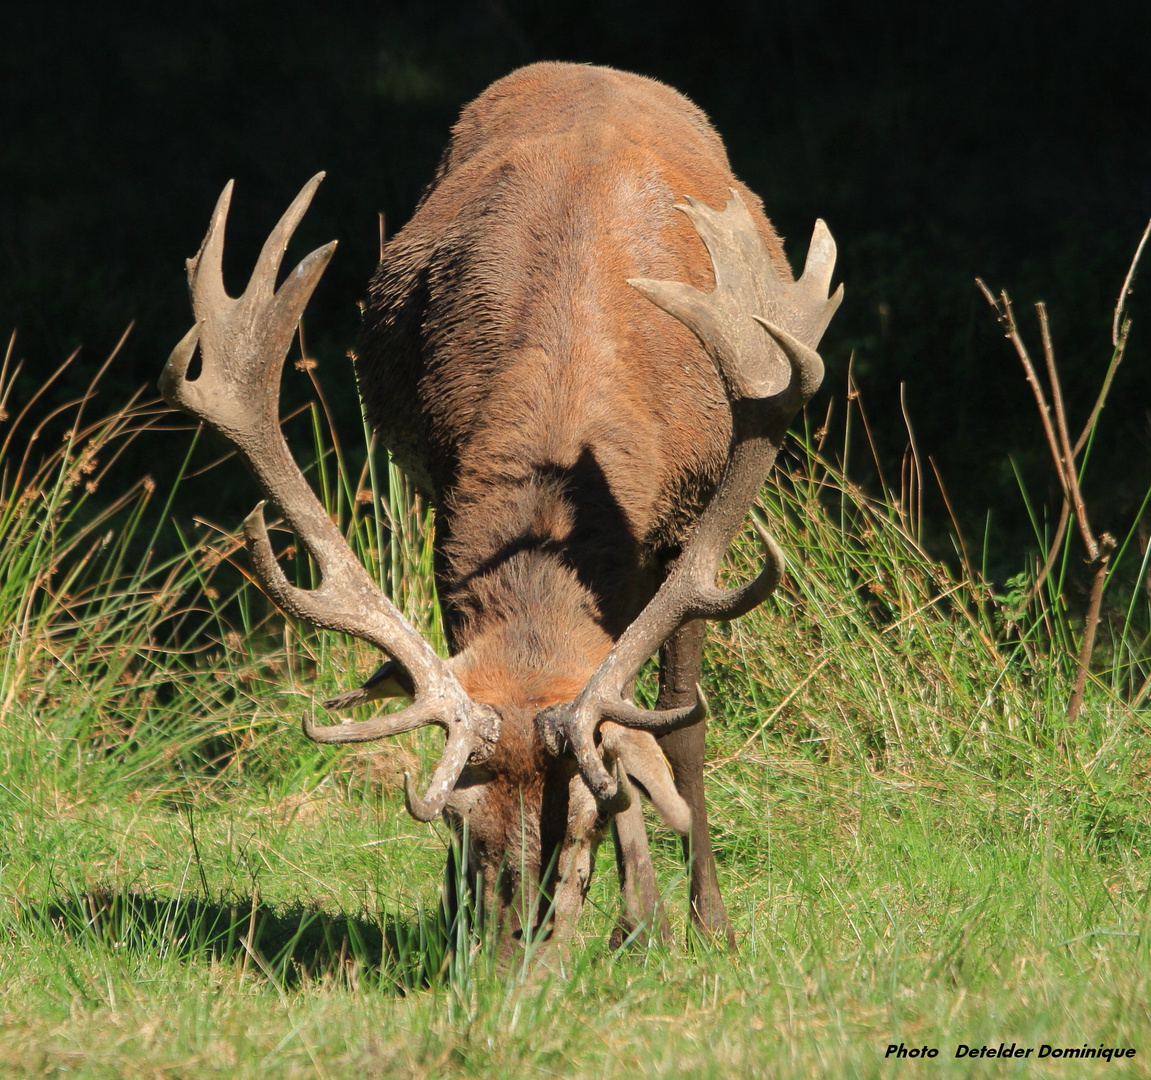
[{"x": 389, "y": 680}]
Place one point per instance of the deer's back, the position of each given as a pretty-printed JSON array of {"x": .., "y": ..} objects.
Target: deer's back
[{"x": 501, "y": 340}]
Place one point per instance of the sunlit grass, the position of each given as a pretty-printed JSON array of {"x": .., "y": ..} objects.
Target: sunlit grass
[{"x": 913, "y": 845}]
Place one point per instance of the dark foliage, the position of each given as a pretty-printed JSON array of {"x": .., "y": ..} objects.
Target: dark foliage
[{"x": 992, "y": 137}]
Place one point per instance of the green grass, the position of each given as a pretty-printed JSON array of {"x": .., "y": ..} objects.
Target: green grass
[{"x": 912, "y": 845}]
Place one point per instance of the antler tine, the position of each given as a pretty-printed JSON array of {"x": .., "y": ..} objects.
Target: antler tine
[
  {"x": 637, "y": 755},
  {"x": 379, "y": 727},
  {"x": 658, "y": 721},
  {"x": 206, "y": 268},
  {"x": 243, "y": 343},
  {"x": 173, "y": 388},
  {"x": 346, "y": 598},
  {"x": 272, "y": 253},
  {"x": 806, "y": 364},
  {"x": 389, "y": 680},
  {"x": 819, "y": 266},
  {"x": 460, "y": 746},
  {"x": 761, "y": 330},
  {"x": 816, "y": 279},
  {"x": 715, "y": 604},
  {"x": 729, "y": 235}
]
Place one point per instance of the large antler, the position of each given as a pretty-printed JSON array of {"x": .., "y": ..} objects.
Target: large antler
[
  {"x": 760, "y": 330},
  {"x": 243, "y": 343}
]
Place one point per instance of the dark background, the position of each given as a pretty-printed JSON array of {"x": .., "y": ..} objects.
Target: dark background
[{"x": 939, "y": 141}]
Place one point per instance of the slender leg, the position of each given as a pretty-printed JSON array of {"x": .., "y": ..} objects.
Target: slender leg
[
  {"x": 680, "y": 661},
  {"x": 641, "y": 899},
  {"x": 574, "y": 861}
]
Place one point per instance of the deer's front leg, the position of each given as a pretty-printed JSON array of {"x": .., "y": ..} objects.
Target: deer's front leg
[
  {"x": 680, "y": 661},
  {"x": 642, "y": 906}
]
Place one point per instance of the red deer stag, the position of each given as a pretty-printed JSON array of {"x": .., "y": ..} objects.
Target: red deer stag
[{"x": 590, "y": 382}]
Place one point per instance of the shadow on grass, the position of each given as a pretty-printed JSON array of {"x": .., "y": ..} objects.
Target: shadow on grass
[{"x": 289, "y": 946}]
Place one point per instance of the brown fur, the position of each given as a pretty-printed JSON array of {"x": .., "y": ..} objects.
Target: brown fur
[{"x": 567, "y": 431}]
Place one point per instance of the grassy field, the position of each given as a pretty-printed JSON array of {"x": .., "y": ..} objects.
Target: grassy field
[{"x": 915, "y": 847}]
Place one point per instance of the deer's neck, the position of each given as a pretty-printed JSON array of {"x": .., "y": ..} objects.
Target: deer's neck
[{"x": 542, "y": 574}]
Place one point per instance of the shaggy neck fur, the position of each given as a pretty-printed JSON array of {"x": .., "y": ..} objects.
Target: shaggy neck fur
[{"x": 534, "y": 608}]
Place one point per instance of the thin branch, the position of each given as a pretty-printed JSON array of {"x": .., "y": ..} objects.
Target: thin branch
[
  {"x": 1128, "y": 284},
  {"x": 1105, "y": 389},
  {"x": 1064, "y": 455},
  {"x": 1065, "y": 462},
  {"x": 1106, "y": 546},
  {"x": 1006, "y": 318},
  {"x": 1054, "y": 381},
  {"x": 1120, "y": 328}
]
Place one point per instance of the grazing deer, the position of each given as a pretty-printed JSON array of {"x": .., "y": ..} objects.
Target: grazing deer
[{"x": 590, "y": 382}]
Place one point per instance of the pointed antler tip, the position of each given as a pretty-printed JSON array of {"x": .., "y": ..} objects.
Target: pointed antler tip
[
  {"x": 254, "y": 522},
  {"x": 173, "y": 386},
  {"x": 420, "y": 809},
  {"x": 222, "y": 204}
]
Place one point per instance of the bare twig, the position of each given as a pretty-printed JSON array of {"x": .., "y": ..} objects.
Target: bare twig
[
  {"x": 1128, "y": 284},
  {"x": 1065, "y": 459},
  {"x": 1053, "y": 381},
  {"x": 1120, "y": 328},
  {"x": 1105, "y": 389},
  {"x": 1006, "y": 317},
  {"x": 1091, "y": 624}
]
